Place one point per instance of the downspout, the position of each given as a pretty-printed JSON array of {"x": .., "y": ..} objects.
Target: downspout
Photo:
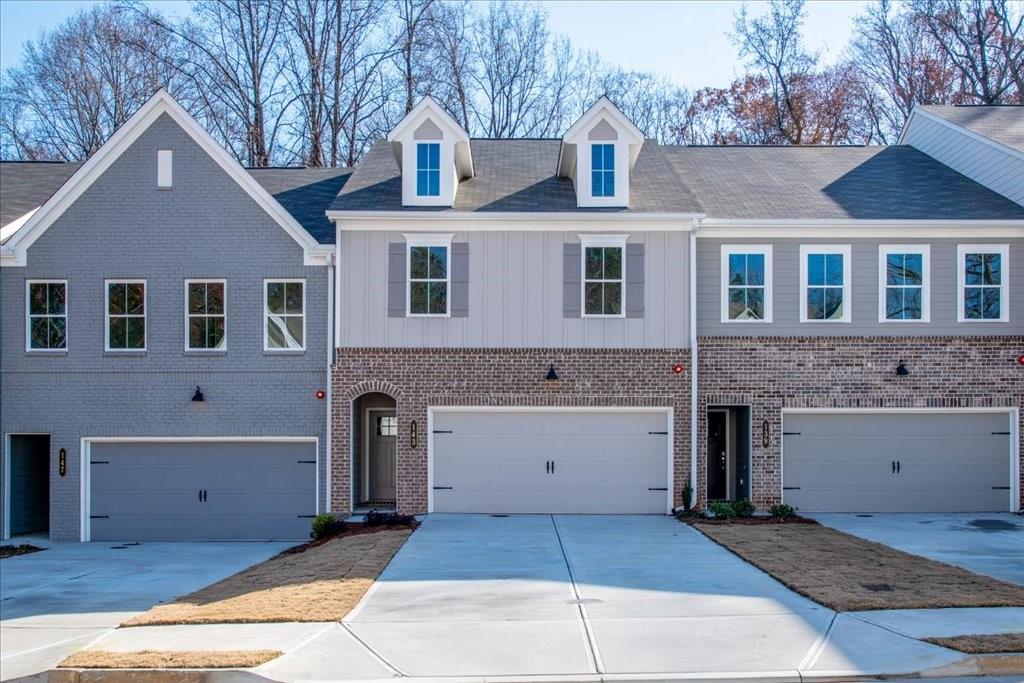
[
  {"x": 693, "y": 361},
  {"x": 331, "y": 260}
]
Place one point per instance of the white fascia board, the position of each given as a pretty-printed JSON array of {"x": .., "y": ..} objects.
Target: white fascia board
[
  {"x": 427, "y": 105},
  {"x": 8, "y": 231},
  {"x": 122, "y": 139},
  {"x": 604, "y": 105},
  {"x": 850, "y": 228},
  {"x": 959, "y": 129},
  {"x": 403, "y": 221}
]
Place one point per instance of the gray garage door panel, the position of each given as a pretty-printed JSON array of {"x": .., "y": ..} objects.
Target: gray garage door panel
[
  {"x": 604, "y": 462},
  {"x": 948, "y": 462},
  {"x": 150, "y": 491}
]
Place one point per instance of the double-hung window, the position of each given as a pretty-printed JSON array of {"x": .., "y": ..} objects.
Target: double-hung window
[
  {"x": 428, "y": 169},
  {"x": 284, "y": 315},
  {"x": 903, "y": 283},
  {"x": 604, "y": 275},
  {"x": 983, "y": 283},
  {"x": 46, "y": 308},
  {"x": 746, "y": 283},
  {"x": 126, "y": 315},
  {"x": 602, "y": 170},
  {"x": 429, "y": 274},
  {"x": 205, "y": 315},
  {"x": 825, "y": 283}
]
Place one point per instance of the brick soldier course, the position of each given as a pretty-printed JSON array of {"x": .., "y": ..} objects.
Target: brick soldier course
[
  {"x": 772, "y": 373},
  {"x": 418, "y": 378}
]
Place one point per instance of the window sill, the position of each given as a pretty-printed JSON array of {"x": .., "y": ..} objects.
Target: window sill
[
  {"x": 128, "y": 353},
  {"x": 46, "y": 352},
  {"x": 747, "y": 322},
  {"x": 284, "y": 352},
  {"x": 205, "y": 352}
]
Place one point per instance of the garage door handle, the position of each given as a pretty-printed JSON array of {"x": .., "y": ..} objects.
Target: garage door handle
[
  {"x": 666, "y": 433},
  {"x": 897, "y": 467},
  {"x": 1001, "y": 433},
  {"x": 894, "y": 467},
  {"x": 661, "y": 489},
  {"x": 442, "y": 431},
  {"x": 442, "y": 488},
  {"x": 1000, "y": 488},
  {"x": 790, "y": 488}
]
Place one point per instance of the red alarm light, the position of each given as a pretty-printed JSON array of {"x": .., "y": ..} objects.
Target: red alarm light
[
  {"x": 321, "y": 394},
  {"x": 1020, "y": 359},
  {"x": 677, "y": 369}
]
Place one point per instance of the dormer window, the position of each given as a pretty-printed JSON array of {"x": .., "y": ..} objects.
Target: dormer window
[
  {"x": 602, "y": 163},
  {"x": 428, "y": 169}
]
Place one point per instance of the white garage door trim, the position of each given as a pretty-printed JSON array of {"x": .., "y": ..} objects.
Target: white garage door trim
[
  {"x": 1012, "y": 413},
  {"x": 669, "y": 416},
  {"x": 85, "y": 493}
]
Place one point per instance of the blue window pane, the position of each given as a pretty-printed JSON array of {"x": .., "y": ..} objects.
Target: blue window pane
[
  {"x": 609, "y": 157},
  {"x": 834, "y": 303},
  {"x": 974, "y": 269},
  {"x": 434, "y": 187},
  {"x": 913, "y": 269},
  {"x": 428, "y": 169},
  {"x": 602, "y": 166},
  {"x": 894, "y": 269},
  {"x": 990, "y": 299},
  {"x": 992, "y": 274},
  {"x": 816, "y": 303},
  {"x": 815, "y": 269},
  {"x": 912, "y": 303},
  {"x": 422, "y": 154},
  {"x": 893, "y": 303},
  {"x": 609, "y": 183},
  {"x": 833, "y": 269},
  {"x": 597, "y": 183},
  {"x": 422, "y": 183},
  {"x": 434, "y": 156},
  {"x": 972, "y": 303},
  {"x": 755, "y": 269},
  {"x": 737, "y": 269}
]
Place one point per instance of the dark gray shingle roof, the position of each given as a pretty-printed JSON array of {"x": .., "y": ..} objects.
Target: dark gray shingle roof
[
  {"x": 1002, "y": 123},
  {"x": 896, "y": 182},
  {"x": 304, "y": 192},
  {"x": 516, "y": 175}
]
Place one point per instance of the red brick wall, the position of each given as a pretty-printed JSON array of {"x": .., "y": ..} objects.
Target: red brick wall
[
  {"x": 418, "y": 378},
  {"x": 772, "y": 373}
]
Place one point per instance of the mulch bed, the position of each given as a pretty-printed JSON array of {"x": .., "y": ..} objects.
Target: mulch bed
[
  {"x": 847, "y": 573},
  {"x": 15, "y": 550},
  {"x": 996, "y": 643},
  {"x": 353, "y": 529}
]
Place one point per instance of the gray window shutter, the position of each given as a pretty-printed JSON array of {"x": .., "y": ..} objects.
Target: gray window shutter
[
  {"x": 571, "y": 266},
  {"x": 460, "y": 280},
  {"x": 396, "y": 280},
  {"x": 634, "y": 280}
]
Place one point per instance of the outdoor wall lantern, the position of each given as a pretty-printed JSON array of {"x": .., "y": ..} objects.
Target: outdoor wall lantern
[
  {"x": 552, "y": 376},
  {"x": 901, "y": 369},
  {"x": 198, "y": 396}
]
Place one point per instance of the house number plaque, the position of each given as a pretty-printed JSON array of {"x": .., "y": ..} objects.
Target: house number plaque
[
  {"x": 62, "y": 461},
  {"x": 765, "y": 435},
  {"x": 412, "y": 433}
]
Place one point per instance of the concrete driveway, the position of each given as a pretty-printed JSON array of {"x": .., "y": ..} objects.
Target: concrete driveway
[
  {"x": 986, "y": 543},
  {"x": 55, "y": 601},
  {"x": 473, "y": 595}
]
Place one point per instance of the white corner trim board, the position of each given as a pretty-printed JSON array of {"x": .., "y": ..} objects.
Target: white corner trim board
[{"x": 159, "y": 104}]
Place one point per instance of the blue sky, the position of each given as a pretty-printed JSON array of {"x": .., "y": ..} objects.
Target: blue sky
[{"x": 686, "y": 41}]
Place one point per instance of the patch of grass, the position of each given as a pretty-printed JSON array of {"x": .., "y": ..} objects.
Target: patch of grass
[
  {"x": 322, "y": 583},
  {"x": 15, "y": 550},
  {"x": 847, "y": 573},
  {"x": 995, "y": 643},
  {"x": 167, "y": 659}
]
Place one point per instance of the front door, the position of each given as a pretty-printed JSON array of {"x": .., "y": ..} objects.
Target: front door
[
  {"x": 29, "y": 483},
  {"x": 383, "y": 437},
  {"x": 718, "y": 455}
]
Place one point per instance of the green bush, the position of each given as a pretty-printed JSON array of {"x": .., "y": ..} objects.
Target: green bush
[
  {"x": 782, "y": 511},
  {"x": 743, "y": 508},
  {"x": 687, "y": 496},
  {"x": 325, "y": 525},
  {"x": 722, "y": 510},
  {"x": 388, "y": 519}
]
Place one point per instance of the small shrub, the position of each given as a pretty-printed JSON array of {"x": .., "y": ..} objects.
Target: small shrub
[
  {"x": 326, "y": 525},
  {"x": 687, "y": 496},
  {"x": 683, "y": 515},
  {"x": 782, "y": 511},
  {"x": 722, "y": 510},
  {"x": 743, "y": 508},
  {"x": 388, "y": 519}
]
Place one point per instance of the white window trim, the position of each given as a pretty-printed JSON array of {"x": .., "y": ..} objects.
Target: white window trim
[
  {"x": 925, "y": 250},
  {"x": 766, "y": 251},
  {"x": 189, "y": 316},
  {"x": 144, "y": 316},
  {"x": 428, "y": 240},
  {"x": 266, "y": 313},
  {"x": 614, "y": 169},
  {"x": 602, "y": 240},
  {"x": 416, "y": 168},
  {"x": 28, "y": 316},
  {"x": 844, "y": 249},
  {"x": 1004, "y": 286}
]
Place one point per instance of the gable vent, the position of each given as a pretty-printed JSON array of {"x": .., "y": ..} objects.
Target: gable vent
[{"x": 164, "y": 166}]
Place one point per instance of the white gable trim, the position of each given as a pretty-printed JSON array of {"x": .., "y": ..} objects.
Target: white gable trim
[
  {"x": 16, "y": 250},
  {"x": 604, "y": 106},
  {"x": 427, "y": 105},
  {"x": 958, "y": 128}
]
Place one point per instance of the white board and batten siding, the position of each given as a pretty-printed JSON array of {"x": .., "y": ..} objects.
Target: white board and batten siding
[{"x": 515, "y": 295}]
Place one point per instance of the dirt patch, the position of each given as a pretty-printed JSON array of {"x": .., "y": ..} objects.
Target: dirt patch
[
  {"x": 847, "y": 573},
  {"x": 323, "y": 583},
  {"x": 15, "y": 550},
  {"x": 751, "y": 521},
  {"x": 995, "y": 643},
  {"x": 166, "y": 659}
]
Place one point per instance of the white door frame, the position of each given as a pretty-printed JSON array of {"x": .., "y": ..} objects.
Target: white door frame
[
  {"x": 5, "y": 533},
  {"x": 85, "y": 451},
  {"x": 1012, "y": 413},
  {"x": 668, "y": 411}
]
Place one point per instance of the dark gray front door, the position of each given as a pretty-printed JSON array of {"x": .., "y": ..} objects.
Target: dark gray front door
[
  {"x": 30, "y": 483},
  {"x": 383, "y": 438},
  {"x": 718, "y": 455},
  {"x": 159, "y": 491},
  {"x": 897, "y": 462}
]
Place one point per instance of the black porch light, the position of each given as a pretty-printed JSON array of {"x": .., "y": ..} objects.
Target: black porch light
[
  {"x": 552, "y": 376},
  {"x": 198, "y": 396},
  {"x": 901, "y": 369}
]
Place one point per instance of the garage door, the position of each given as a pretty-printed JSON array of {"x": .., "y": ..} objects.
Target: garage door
[
  {"x": 897, "y": 462},
  {"x": 551, "y": 462},
  {"x": 201, "y": 491}
]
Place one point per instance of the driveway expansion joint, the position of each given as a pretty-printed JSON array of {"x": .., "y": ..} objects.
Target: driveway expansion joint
[{"x": 595, "y": 654}]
